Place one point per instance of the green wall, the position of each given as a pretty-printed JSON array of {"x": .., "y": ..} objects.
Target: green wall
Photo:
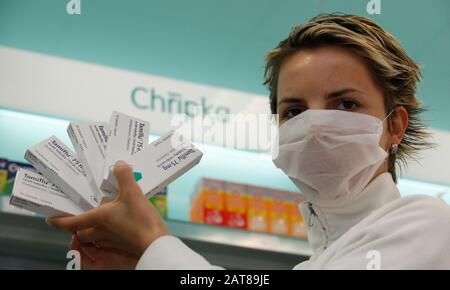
[{"x": 219, "y": 43}]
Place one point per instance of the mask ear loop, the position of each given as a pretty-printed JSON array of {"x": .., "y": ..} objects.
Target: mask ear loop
[
  {"x": 388, "y": 115},
  {"x": 394, "y": 147}
]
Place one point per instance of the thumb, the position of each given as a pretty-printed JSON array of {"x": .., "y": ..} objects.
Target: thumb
[{"x": 125, "y": 179}]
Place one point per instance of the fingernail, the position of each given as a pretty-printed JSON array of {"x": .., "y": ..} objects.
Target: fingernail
[{"x": 121, "y": 163}]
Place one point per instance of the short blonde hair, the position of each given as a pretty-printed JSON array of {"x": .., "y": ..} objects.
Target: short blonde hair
[{"x": 391, "y": 68}]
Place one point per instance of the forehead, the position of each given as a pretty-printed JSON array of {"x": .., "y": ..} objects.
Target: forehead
[{"x": 320, "y": 70}]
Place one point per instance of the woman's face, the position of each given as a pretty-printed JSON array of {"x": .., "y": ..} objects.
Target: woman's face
[{"x": 333, "y": 78}]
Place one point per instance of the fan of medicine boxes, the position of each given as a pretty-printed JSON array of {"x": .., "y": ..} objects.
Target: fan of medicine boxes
[
  {"x": 247, "y": 207},
  {"x": 69, "y": 183}
]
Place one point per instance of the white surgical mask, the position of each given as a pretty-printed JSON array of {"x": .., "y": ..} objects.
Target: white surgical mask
[{"x": 330, "y": 155}]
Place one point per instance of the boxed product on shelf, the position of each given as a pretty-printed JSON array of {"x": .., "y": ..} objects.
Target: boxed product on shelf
[
  {"x": 3, "y": 174},
  {"x": 159, "y": 200},
  {"x": 247, "y": 207},
  {"x": 8, "y": 170},
  {"x": 297, "y": 226},
  {"x": 258, "y": 209},
  {"x": 214, "y": 205},
  {"x": 278, "y": 214},
  {"x": 235, "y": 198},
  {"x": 197, "y": 212}
]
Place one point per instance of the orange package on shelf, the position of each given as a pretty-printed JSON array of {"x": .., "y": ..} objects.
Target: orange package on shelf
[
  {"x": 247, "y": 207},
  {"x": 214, "y": 207},
  {"x": 297, "y": 226},
  {"x": 235, "y": 205},
  {"x": 258, "y": 210},
  {"x": 197, "y": 207},
  {"x": 278, "y": 214}
]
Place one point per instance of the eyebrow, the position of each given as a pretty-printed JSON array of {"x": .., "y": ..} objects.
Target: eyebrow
[
  {"x": 331, "y": 95},
  {"x": 343, "y": 92}
]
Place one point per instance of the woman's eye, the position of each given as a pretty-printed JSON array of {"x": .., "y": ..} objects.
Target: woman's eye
[
  {"x": 292, "y": 113},
  {"x": 347, "y": 105}
]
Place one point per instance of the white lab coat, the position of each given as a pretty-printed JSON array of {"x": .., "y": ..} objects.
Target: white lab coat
[{"x": 375, "y": 230}]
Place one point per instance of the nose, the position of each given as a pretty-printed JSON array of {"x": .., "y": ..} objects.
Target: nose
[{"x": 316, "y": 104}]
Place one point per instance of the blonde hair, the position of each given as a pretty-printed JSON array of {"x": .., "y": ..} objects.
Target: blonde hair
[{"x": 391, "y": 68}]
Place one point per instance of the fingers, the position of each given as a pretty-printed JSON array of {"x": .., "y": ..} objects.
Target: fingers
[
  {"x": 107, "y": 244},
  {"x": 116, "y": 246},
  {"x": 92, "y": 240},
  {"x": 89, "y": 219},
  {"x": 94, "y": 253},
  {"x": 90, "y": 250},
  {"x": 75, "y": 244},
  {"x": 92, "y": 257},
  {"x": 110, "y": 258},
  {"x": 90, "y": 235},
  {"x": 106, "y": 199},
  {"x": 125, "y": 179},
  {"x": 87, "y": 263},
  {"x": 87, "y": 260}
]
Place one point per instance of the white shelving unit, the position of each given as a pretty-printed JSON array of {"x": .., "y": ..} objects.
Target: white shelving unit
[{"x": 27, "y": 242}]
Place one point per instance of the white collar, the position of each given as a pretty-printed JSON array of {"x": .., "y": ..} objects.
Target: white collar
[{"x": 326, "y": 224}]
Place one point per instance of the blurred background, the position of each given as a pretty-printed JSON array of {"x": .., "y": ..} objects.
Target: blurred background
[{"x": 133, "y": 56}]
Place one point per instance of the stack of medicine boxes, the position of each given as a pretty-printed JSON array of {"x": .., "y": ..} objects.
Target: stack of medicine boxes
[{"x": 70, "y": 182}]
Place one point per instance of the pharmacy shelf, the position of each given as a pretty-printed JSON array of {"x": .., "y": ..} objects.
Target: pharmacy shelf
[
  {"x": 27, "y": 242},
  {"x": 240, "y": 238}
]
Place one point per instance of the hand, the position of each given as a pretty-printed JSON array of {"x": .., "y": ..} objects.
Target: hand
[
  {"x": 129, "y": 223},
  {"x": 93, "y": 258}
]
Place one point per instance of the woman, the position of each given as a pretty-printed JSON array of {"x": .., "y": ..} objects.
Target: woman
[{"x": 344, "y": 91}]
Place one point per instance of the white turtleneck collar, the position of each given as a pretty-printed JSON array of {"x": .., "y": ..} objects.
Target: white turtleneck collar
[{"x": 325, "y": 224}]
